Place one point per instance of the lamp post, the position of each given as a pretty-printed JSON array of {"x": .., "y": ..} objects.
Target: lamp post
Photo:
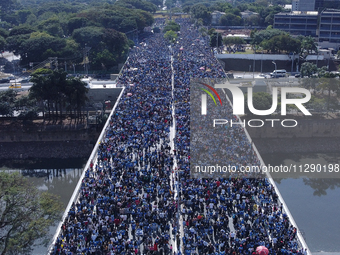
[
  {"x": 274, "y": 64},
  {"x": 261, "y": 61},
  {"x": 292, "y": 63}
]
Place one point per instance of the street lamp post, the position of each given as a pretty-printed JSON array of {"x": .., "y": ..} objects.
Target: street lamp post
[
  {"x": 253, "y": 65},
  {"x": 274, "y": 64},
  {"x": 261, "y": 61},
  {"x": 292, "y": 63}
]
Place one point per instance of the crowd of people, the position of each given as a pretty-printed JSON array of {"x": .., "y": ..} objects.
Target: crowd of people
[{"x": 138, "y": 196}]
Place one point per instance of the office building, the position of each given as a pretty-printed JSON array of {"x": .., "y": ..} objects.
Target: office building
[
  {"x": 297, "y": 22},
  {"x": 330, "y": 27},
  {"x": 303, "y": 5}
]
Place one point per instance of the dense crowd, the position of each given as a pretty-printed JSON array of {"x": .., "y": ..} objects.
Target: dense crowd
[{"x": 138, "y": 196}]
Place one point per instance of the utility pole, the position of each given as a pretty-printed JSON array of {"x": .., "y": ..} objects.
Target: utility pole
[
  {"x": 86, "y": 51},
  {"x": 261, "y": 61},
  {"x": 292, "y": 63}
]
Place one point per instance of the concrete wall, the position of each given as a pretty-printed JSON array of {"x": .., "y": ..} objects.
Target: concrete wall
[
  {"x": 241, "y": 62},
  {"x": 47, "y": 136}
]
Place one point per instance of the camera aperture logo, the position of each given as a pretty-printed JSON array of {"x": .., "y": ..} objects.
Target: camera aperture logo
[
  {"x": 204, "y": 98},
  {"x": 238, "y": 105}
]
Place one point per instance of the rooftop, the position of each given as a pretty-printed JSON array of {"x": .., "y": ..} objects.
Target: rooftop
[{"x": 297, "y": 13}]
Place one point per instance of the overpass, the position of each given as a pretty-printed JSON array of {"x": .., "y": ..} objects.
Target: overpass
[{"x": 103, "y": 166}]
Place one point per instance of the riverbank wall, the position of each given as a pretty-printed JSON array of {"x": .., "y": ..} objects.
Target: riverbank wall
[
  {"x": 309, "y": 136},
  {"x": 58, "y": 143}
]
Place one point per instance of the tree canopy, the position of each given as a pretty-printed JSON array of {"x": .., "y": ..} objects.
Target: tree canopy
[
  {"x": 37, "y": 30},
  {"x": 25, "y": 214},
  {"x": 59, "y": 91}
]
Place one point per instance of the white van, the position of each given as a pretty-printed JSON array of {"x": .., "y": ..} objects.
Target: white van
[{"x": 278, "y": 73}]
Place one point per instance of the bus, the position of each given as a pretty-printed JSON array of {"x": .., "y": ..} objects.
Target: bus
[
  {"x": 15, "y": 86},
  {"x": 278, "y": 73}
]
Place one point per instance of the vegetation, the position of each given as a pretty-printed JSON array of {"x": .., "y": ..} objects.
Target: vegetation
[
  {"x": 261, "y": 101},
  {"x": 215, "y": 39},
  {"x": 26, "y": 214},
  {"x": 38, "y": 30},
  {"x": 52, "y": 92},
  {"x": 233, "y": 40},
  {"x": 171, "y": 36},
  {"x": 233, "y": 17},
  {"x": 59, "y": 93},
  {"x": 171, "y": 25}
]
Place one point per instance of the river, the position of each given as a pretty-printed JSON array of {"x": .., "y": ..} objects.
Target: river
[
  {"x": 312, "y": 202},
  {"x": 58, "y": 176}
]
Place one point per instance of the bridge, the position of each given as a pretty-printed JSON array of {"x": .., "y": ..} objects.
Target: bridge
[{"x": 136, "y": 192}]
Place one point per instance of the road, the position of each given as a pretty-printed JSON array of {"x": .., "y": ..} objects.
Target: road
[{"x": 94, "y": 84}]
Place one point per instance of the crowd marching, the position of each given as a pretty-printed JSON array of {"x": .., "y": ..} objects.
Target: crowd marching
[{"x": 138, "y": 197}]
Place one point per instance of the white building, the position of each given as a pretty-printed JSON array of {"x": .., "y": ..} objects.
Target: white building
[{"x": 216, "y": 16}]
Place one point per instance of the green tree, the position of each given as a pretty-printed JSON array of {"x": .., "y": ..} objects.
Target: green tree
[
  {"x": 23, "y": 15},
  {"x": 138, "y": 4},
  {"x": 260, "y": 36},
  {"x": 282, "y": 42},
  {"x": 58, "y": 92},
  {"x": 21, "y": 30},
  {"x": 211, "y": 31},
  {"x": 231, "y": 19},
  {"x": 13, "y": 43},
  {"x": 308, "y": 69},
  {"x": 7, "y": 6},
  {"x": 200, "y": 11},
  {"x": 308, "y": 45},
  {"x": 52, "y": 26},
  {"x": 103, "y": 60},
  {"x": 203, "y": 31},
  {"x": 171, "y": 25},
  {"x": 88, "y": 35},
  {"x": 233, "y": 40},
  {"x": 38, "y": 49},
  {"x": 157, "y": 2},
  {"x": 261, "y": 101},
  {"x": 329, "y": 83},
  {"x": 216, "y": 38},
  {"x": 2, "y": 43},
  {"x": 76, "y": 95},
  {"x": 310, "y": 84},
  {"x": 25, "y": 214},
  {"x": 7, "y": 102},
  {"x": 171, "y": 36},
  {"x": 4, "y": 33},
  {"x": 75, "y": 23}
]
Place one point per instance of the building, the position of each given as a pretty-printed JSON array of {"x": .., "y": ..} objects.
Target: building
[
  {"x": 295, "y": 5},
  {"x": 303, "y": 5},
  {"x": 215, "y": 17},
  {"x": 247, "y": 14},
  {"x": 297, "y": 22},
  {"x": 325, "y": 27},
  {"x": 329, "y": 33}
]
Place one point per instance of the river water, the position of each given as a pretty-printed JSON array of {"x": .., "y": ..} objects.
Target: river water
[
  {"x": 58, "y": 176},
  {"x": 314, "y": 203}
]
